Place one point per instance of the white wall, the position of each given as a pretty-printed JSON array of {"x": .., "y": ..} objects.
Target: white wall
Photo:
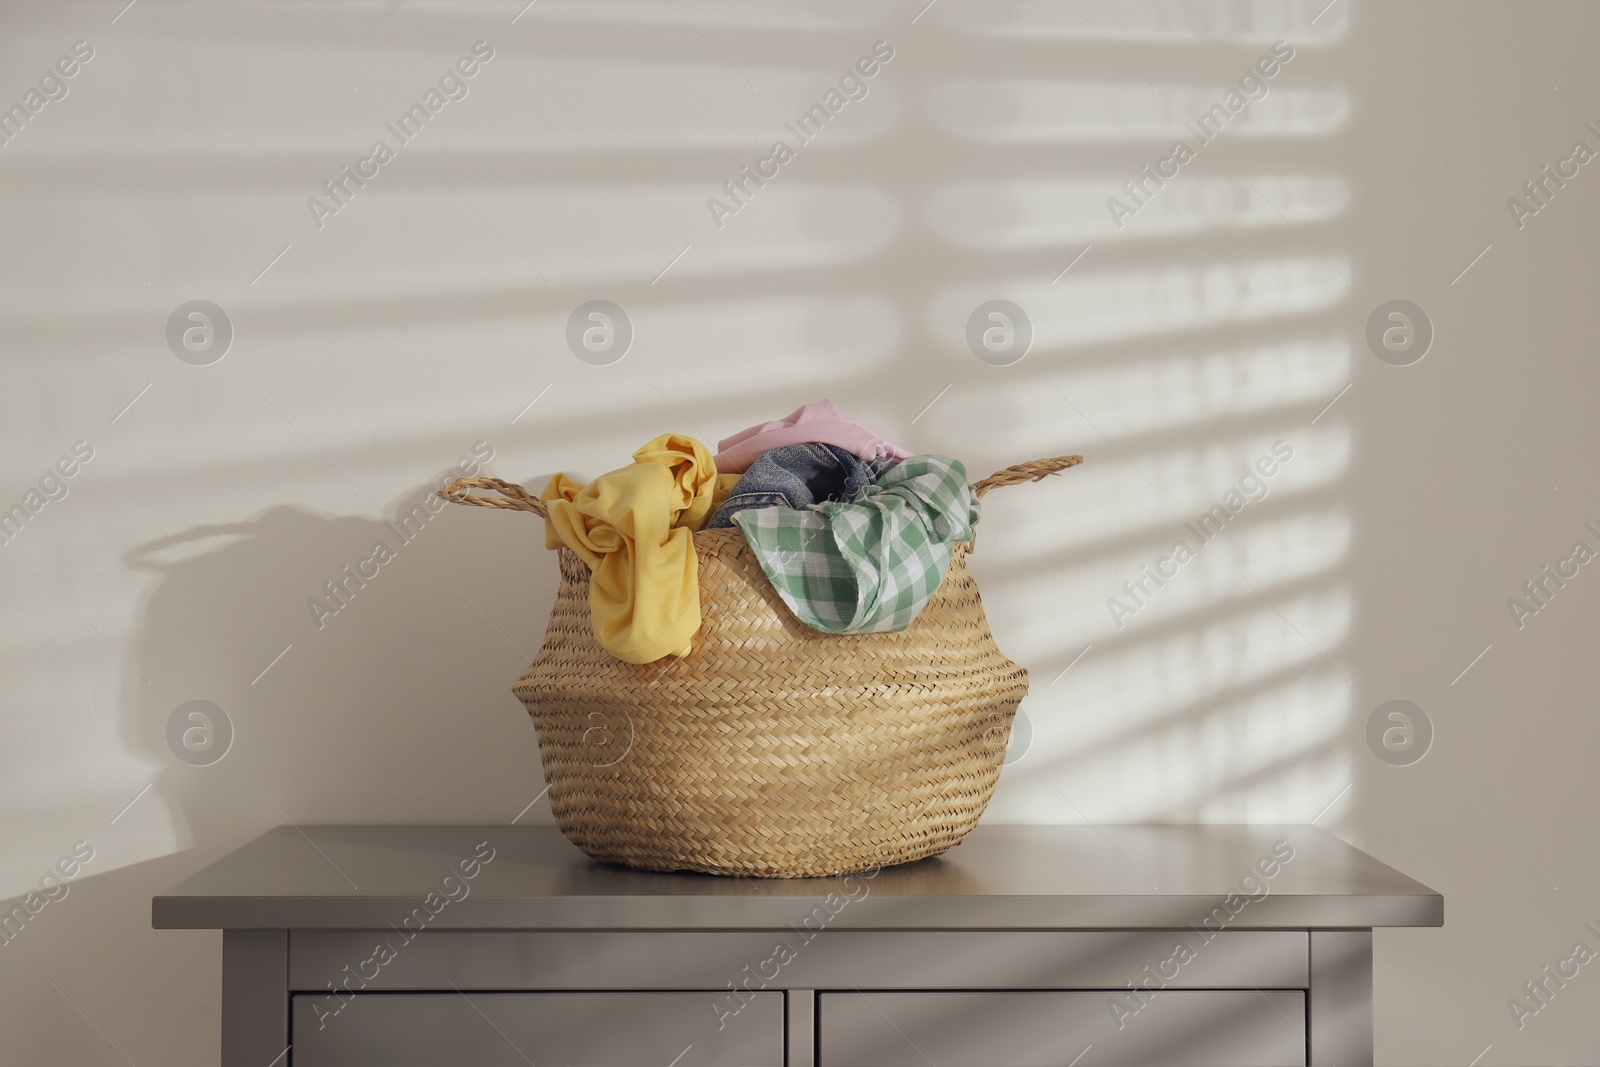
[{"x": 429, "y": 311}]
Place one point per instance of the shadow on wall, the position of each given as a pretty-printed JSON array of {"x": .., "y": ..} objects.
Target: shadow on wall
[{"x": 401, "y": 619}]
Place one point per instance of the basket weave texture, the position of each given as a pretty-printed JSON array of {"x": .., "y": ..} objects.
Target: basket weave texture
[{"x": 771, "y": 749}]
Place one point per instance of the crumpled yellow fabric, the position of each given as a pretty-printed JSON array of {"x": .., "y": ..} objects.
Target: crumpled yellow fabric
[{"x": 633, "y": 526}]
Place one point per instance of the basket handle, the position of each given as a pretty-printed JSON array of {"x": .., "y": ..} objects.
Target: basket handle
[
  {"x": 1032, "y": 471},
  {"x": 512, "y": 496}
]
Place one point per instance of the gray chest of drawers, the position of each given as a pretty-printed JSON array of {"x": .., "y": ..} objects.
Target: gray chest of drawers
[{"x": 381, "y": 946}]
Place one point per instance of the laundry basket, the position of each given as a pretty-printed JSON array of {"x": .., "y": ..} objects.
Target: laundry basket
[{"x": 770, "y": 749}]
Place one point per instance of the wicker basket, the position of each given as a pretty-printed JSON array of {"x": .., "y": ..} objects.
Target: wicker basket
[{"x": 772, "y": 749}]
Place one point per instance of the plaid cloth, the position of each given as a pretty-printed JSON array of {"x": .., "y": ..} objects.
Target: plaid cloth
[{"x": 869, "y": 564}]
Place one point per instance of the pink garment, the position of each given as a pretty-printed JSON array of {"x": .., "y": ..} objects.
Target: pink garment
[{"x": 822, "y": 421}]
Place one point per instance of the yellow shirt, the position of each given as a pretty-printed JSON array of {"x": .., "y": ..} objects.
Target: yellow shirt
[{"x": 633, "y": 526}]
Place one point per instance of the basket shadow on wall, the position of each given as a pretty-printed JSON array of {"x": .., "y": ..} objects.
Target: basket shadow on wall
[{"x": 389, "y": 624}]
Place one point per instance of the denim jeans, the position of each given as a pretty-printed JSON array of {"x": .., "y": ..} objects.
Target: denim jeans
[{"x": 797, "y": 475}]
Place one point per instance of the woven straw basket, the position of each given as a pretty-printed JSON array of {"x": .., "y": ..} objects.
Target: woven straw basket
[{"x": 770, "y": 750}]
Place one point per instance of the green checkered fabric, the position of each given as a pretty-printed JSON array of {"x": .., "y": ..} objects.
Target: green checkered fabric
[{"x": 869, "y": 564}]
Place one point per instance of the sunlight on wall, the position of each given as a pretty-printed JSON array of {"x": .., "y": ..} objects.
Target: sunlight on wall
[
  {"x": 1217, "y": 689},
  {"x": 1039, "y": 213},
  {"x": 1085, "y": 113},
  {"x": 1158, "y": 23}
]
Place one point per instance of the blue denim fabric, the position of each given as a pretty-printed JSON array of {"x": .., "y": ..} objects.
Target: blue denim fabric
[{"x": 795, "y": 476}]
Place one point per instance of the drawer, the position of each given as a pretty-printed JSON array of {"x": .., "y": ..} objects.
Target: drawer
[
  {"x": 1197, "y": 1028},
  {"x": 515, "y": 1029}
]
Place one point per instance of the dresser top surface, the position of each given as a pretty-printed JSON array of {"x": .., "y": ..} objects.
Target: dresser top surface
[{"x": 1000, "y": 877}]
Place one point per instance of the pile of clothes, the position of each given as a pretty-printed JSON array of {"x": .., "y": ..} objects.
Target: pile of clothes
[{"x": 854, "y": 533}]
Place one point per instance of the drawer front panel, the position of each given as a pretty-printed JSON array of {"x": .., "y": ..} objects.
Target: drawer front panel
[
  {"x": 1048, "y": 1029},
  {"x": 798, "y": 958},
  {"x": 514, "y": 1029}
]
